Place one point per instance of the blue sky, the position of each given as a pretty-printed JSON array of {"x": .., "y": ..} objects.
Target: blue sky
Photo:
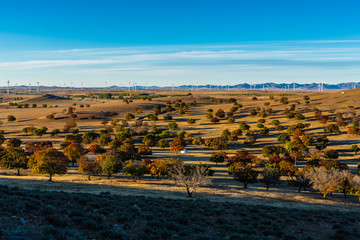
[{"x": 180, "y": 42}]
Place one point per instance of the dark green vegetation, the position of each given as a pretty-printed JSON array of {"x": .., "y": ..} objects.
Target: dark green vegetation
[{"x": 60, "y": 215}]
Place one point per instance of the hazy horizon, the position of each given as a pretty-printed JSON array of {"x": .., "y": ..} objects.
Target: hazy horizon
[{"x": 165, "y": 43}]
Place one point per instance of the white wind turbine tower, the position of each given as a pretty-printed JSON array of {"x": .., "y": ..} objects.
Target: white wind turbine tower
[
  {"x": 38, "y": 88},
  {"x": 8, "y": 90},
  {"x": 129, "y": 86},
  {"x": 146, "y": 86},
  {"x": 173, "y": 89},
  {"x": 29, "y": 87},
  {"x": 71, "y": 86},
  {"x": 197, "y": 86},
  {"x": 218, "y": 87},
  {"x": 106, "y": 85},
  {"x": 294, "y": 87},
  {"x": 210, "y": 87},
  {"x": 135, "y": 86}
]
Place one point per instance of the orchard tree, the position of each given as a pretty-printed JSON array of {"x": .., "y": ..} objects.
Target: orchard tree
[
  {"x": 14, "y": 158},
  {"x": 129, "y": 116},
  {"x": 191, "y": 121},
  {"x": 54, "y": 132},
  {"x": 245, "y": 174},
  {"x": 97, "y": 149},
  {"x": 11, "y": 118},
  {"x": 162, "y": 143},
  {"x": 14, "y": 143},
  {"x": 144, "y": 150},
  {"x": 74, "y": 152},
  {"x": 332, "y": 128},
  {"x": 39, "y": 131},
  {"x": 197, "y": 141},
  {"x": 135, "y": 169},
  {"x": 173, "y": 125},
  {"x": 218, "y": 157},
  {"x": 48, "y": 161},
  {"x": 231, "y": 119},
  {"x": 270, "y": 176},
  {"x": 109, "y": 164},
  {"x": 283, "y": 138},
  {"x": 355, "y": 148},
  {"x": 214, "y": 120},
  {"x": 331, "y": 154},
  {"x": 178, "y": 144},
  {"x": 88, "y": 167},
  {"x": 159, "y": 168}
]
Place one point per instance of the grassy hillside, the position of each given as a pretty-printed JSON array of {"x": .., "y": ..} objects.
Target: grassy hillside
[{"x": 59, "y": 215}]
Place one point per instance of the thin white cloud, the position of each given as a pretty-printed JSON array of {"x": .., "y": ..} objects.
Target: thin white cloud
[{"x": 269, "y": 61}]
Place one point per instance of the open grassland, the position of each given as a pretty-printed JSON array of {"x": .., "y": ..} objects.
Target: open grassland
[{"x": 223, "y": 209}]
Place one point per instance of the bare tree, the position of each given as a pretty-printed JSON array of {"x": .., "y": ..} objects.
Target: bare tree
[
  {"x": 302, "y": 179},
  {"x": 270, "y": 176},
  {"x": 191, "y": 176},
  {"x": 355, "y": 186},
  {"x": 326, "y": 181}
]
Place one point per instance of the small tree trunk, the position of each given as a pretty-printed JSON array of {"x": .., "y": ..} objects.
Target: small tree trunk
[
  {"x": 344, "y": 193},
  {"x": 267, "y": 186},
  {"x": 245, "y": 184},
  {"x": 18, "y": 172},
  {"x": 109, "y": 175},
  {"x": 188, "y": 192},
  {"x": 299, "y": 188},
  {"x": 73, "y": 164},
  {"x": 50, "y": 178},
  {"x": 89, "y": 177}
]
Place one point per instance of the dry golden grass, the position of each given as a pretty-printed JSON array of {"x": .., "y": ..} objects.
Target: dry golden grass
[{"x": 223, "y": 187}]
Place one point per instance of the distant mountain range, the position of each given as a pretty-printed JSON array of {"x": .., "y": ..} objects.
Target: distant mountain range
[{"x": 243, "y": 86}]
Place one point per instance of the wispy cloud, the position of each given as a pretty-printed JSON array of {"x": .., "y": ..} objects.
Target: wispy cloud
[{"x": 336, "y": 60}]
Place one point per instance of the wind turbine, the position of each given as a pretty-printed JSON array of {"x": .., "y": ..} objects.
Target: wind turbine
[
  {"x": 38, "y": 90},
  {"x": 129, "y": 86},
  {"x": 29, "y": 87},
  {"x": 8, "y": 91}
]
